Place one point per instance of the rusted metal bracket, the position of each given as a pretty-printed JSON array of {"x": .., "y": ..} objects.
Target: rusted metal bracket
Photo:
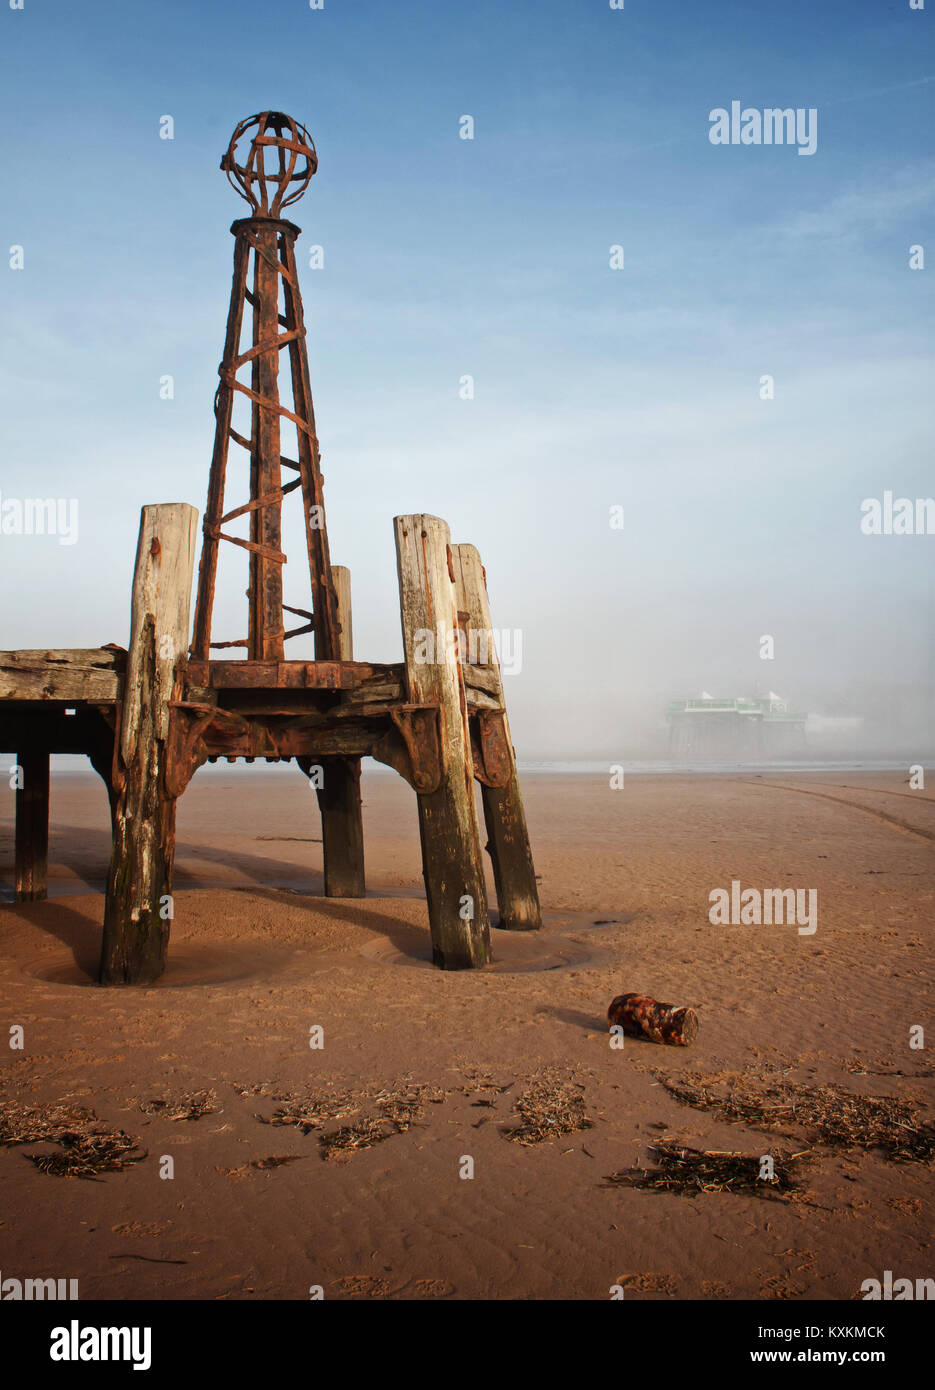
[
  {"x": 490, "y": 747},
  {"x": 419, "y": 727},
  {"x": 189, "y": 720}
]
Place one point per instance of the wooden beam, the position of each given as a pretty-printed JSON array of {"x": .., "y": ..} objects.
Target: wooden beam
[
  {"x": 32, "y": 827},
  {"x": 481, "y": 678},
  {"x": 137, "y": 912},
  {"x": 75, "y": 674},
  {"x": 507, "y": 836},
  {"x": 349, "y": 738},
  {"x": 451, "y": 859},
  {"x": 279, "y": 675},
  {"x": 342, "y": 827}
]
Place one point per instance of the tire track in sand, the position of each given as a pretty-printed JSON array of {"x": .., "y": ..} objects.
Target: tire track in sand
[{"x": 873, "y": 811}]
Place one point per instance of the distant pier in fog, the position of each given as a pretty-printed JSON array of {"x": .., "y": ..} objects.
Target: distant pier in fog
[{"x": 713, "y": 727}]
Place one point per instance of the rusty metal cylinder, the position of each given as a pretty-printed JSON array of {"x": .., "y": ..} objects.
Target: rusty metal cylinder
[{"x": 642, "y": 1017}]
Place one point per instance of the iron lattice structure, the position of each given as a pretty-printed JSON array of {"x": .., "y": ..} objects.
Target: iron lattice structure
[{"x": 265, "y": 245}]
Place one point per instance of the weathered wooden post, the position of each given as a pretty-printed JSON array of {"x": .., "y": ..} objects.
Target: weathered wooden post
[
  {"x": 342, "y": 828},
  {"x": 138, "y": 908},
  {"x": 507, "y": 836},
  {"x": 451, "y": 858},
  {"x": 32, "y": 827}
]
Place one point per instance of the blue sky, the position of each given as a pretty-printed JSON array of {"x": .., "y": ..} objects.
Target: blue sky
[{"x": 446, "y": 257}]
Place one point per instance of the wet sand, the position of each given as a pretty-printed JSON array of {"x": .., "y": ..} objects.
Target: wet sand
[{"x": 258, "y": 959}]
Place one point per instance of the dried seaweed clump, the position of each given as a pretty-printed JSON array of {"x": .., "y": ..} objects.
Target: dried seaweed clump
[
  {"x": 311, "y": 1109},
  {"x": 86, "y": 1155},
  {"x": 828, "y": 1114},
  {"x": 86, "y": 1146},
  {"x": 190, "y": 1105},
  {"x": 687, "y": 1172},
  {"x": 34, "y": 1124},
  {"x": 362, "y": 1135},
  {"x": 549, "y": 1107},
  {"x": 400, "y": 1106},
  {"x": 257, "y": 1088}
]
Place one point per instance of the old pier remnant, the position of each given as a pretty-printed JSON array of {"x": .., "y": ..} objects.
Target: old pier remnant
[{"x": 149, "y": 716}]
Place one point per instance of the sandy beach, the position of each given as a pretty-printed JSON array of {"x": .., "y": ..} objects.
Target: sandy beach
[{"x": 439, "y": 1060}]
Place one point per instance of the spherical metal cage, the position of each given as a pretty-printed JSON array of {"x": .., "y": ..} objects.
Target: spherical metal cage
[{"x": 270, "y": 189}]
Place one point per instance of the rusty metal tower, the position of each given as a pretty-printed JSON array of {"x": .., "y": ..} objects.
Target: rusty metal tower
[{"x": 275, "y": 170}]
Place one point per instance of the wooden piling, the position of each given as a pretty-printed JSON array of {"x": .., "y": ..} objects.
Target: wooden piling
[
  {"x": 504, "y": 816},
  {"x": 451, "y": 858},
  {"x": 138, "y": 908},
  {"x": 341, "y": 576},
  {"x": 32, "y": 827},
  {"x": 342, "y": 828}
]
